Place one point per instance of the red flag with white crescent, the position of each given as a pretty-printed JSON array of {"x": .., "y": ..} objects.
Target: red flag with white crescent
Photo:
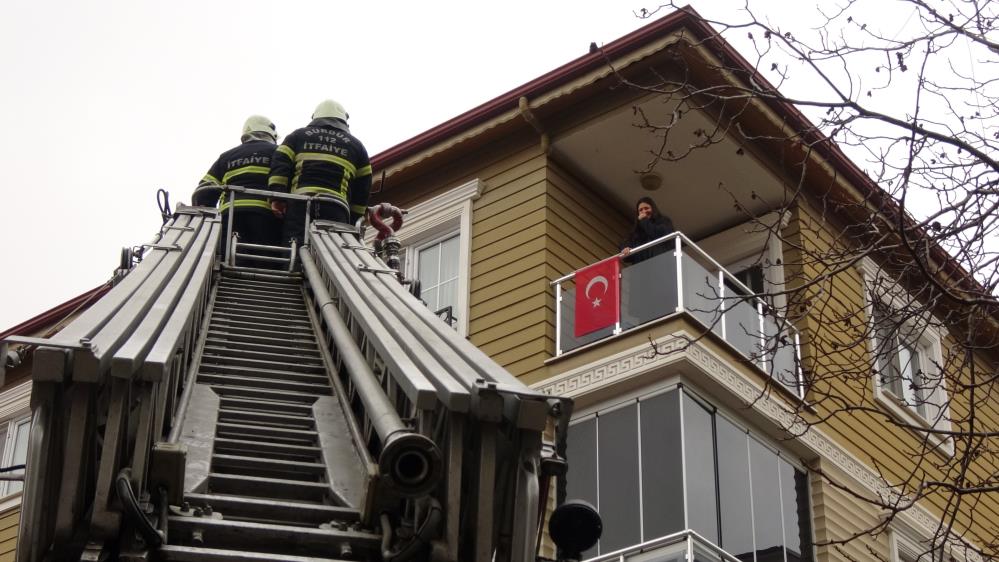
[{"x": 598, "y": 296}]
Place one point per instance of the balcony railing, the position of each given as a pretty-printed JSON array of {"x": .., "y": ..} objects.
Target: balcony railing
[
  {"x": 688, "y": 280},
  {"x": 685, "y": 546}
]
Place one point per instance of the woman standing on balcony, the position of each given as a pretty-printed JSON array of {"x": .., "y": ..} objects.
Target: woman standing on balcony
[{"x": 650, "y": 224}]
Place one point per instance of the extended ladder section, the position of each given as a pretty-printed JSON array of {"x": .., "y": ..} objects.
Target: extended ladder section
[
  {"x": 262, "y": 414},
  {"x": 201, "y": 411}
]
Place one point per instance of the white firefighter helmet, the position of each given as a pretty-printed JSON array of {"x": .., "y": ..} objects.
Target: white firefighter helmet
[
  {"x": 330, "y": 109},
  {"x": 259, "y": 124}
]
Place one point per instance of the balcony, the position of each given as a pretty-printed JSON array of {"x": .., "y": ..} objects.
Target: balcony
[
  {"x": 679, "y": 547},
  {"x": 682, "y": 279}
]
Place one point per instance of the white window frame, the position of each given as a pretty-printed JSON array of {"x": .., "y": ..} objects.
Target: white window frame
[
  {"x": 929, "y": 348},
  {"x": 7, "y": 459},
  {"x": 902, "y": 542},
  {"x": 411, "y": 265},
  {"x": 436, "y": 219},
  {"x": 14, "y": 409}
]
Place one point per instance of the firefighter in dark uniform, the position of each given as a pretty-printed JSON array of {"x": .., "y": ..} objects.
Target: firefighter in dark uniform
[
  {"x": 321, "y": 159},
  {"x": 246, "y": 165}
]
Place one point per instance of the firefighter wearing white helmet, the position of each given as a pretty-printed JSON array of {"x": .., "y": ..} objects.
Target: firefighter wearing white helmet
[
  {"x": 330, "y": 109},
  {"x": 246, "y": 165},
  {"x": 321, "y": 159}
]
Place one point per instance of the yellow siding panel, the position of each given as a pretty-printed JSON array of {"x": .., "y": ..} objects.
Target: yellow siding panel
[
  {"x": 507, "y": 303},
  {"x": 519, "y": 309},
  {"x": 526, "y": 330},
  {"x": 484, "y": 277},
  {"x": 519, "y": 214},
  {"x": 520, "y": 236},
  {"x": 503, "y": 200},
  {"x": 11, "y": 519},
  {"x": 485, "y": 306},
  {"x": 8, "y": 535},
  {"x": 484, "y": 238}
]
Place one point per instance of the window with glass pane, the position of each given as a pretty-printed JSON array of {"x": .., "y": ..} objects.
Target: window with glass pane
[
  {"x": 437, "y": 270},
  {"x": 670, "y": 462},
  {"x": 617, "y": 434},
  {"x": 14, "y": 444},
  {"x": 662, "y": 465},
  {"x": 699, "y": 458},
  {"x": 900, "y": 361},
  {"x": 735, "y": 502},
  {"x": 909, "y": 550}
]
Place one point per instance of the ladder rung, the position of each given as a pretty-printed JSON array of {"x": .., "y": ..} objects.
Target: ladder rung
[
  {"x": 282, "y": 420},
  {"x": 260, "y": 312},
  {"x": 291, "y": 397},
  {"x": 272, "y": 450},
  {"x": 210, "y": 366},
  {"x": 240, "y": 461},
  {"x": 261, "y": 355},
  {"x": 254, "y": 405},
  {"x": 264, "y": 383},
  {"x": 268, "y": 537},
  {"x": 243, "y": 285},
  {"x": 248, "y": 334},
  {"x": 258, "y": 327},
  {"x": 276, "y": 347},
  {"x": 237, "y": 363},
  {"x": 236, "y": 316},
  {"x": 257, "y": 295},
  {"x": 176, "y": 553},
  {"x": 273, "y": 509},
  {"x": 253, "y": 303},
  {"x": 278, "y": 488},
  {"x": 244, "y": 431}
]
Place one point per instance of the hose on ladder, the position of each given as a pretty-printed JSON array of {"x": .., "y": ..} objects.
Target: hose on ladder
[
  {"x": 428, "y": 529},
  {"x": 163, "y": 201},
  {"x": 123, "y": 486}
]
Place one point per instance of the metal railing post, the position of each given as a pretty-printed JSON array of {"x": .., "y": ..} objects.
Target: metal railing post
[
  {"x": 763, "y": 334},
  {"x": 558, "y": 319},
  {"x": 228, "y": 228},
  {"x": 308, "y": 221},
  {"x": 799, "y": 375},
  {"x": 721, "y": 296},
  {"x": 679, "y": 275},
  {"x": 620, "y": 301}
]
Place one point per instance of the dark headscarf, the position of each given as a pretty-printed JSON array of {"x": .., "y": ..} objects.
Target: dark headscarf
[{"x": 646, "y": 230}]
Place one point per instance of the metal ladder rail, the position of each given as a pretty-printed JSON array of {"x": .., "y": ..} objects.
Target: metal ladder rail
[
  {"x": 72, "y": 372},
  {"x": 503, "y": 418}
]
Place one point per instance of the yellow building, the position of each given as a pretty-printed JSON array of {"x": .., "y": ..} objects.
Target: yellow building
[{"x": 687, "y": 419}]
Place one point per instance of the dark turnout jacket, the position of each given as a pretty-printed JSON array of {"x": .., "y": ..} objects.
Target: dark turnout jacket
[
  {"x": 324, "y": 158},
  {"x": 246, "y": 165},
  {"x": 647, "y": 230}
]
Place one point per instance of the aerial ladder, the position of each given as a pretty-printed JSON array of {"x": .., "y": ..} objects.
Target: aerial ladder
[{"x": 207, "y": 410}]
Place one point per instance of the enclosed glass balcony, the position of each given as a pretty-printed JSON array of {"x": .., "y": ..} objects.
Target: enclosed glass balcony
[{"x": 679, "y": 277}]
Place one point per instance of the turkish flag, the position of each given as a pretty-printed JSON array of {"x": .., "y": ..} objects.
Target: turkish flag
[{"x": 598, "y": 296}]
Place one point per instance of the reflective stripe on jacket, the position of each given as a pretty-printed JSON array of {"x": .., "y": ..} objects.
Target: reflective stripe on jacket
[
  {"x": 323, "y": 158},
  {"x": 246, "y": 165}
]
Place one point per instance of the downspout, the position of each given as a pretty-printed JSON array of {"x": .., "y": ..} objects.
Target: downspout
[{"x": 532, "y": 120}]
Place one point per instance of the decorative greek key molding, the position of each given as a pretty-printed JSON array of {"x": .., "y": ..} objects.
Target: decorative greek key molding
[
  {"x": 612, "y": 369},
  {"x": 637, "y": 361}
]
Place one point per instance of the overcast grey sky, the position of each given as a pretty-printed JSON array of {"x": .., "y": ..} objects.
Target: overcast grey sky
[{"x": 105, "y": 101}]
